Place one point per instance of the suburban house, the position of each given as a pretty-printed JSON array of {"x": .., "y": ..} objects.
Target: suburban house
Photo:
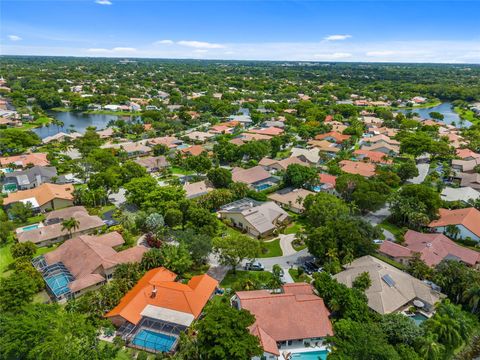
[
  {"x": 358, "y": 168},
  {"x": 35, "y": 159},
  {"x": 333, "y": 136},
  {"x": 61, "y": 136},
  {"x": 280, "y": 165},
  {"x": 30, "y": 178},
  {"x": 243, "y": 120},
  {"x": 470, "y": 180},
  {"x": 372, "y": 156},
  {"x": 290, "y": 199},
  {"x": 392, "y": 290},
  {"x": 463, "y": 194},
  {"x": 467, "y": 154},
  {"x": 296, "y": 318},
  {"x": 258, "y": 219},
  {"x": 193, "y": 150},
  {"x": 199, "y": 136},
  {"x": 387, "y": 149},
  {"x": 256, "y": 177},
  {"x": 308, "y": 155},
  {"x": 51, "y": 230},
  {"x": 433, "y": 248},
  {"x": 44, "y": 197},
  {"x": 326, "y": 183},
  {"x": 466, "y": 166},
  {"x": 157, "y": 309},
  {"x": 84, "y": 263},
  {"x": 460, "y": 223},
  {"x": 131, "y": 148},
  {"x": 325, "y": 146},
  {"x": 270, "y": 131},
  {"x": 106, "y": 133},
  {"x": 197, "y": 189},
  {"x": 153, "y": 163}
]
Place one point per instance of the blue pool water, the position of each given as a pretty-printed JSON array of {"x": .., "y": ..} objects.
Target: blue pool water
[
  {"x": 30, "y": 227},
  {"x": 153, "y": 340},
  {"x": 262, "y": 187},
  {"x": 311, "y": 355},
  {"x": 418, "y": 318},
  {"x": 58, "y": 284}
]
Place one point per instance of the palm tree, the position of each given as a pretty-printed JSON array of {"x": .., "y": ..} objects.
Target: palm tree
[
  {"x": 430, "y": 348},
  {"x": 70, "y": 225},
  {"x": 452, "y": 231},
  {"x": 447, "y": 329},
  {"x": 472, "y": 295}
]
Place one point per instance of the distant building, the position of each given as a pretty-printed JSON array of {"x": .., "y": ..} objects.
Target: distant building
[{"x": 466, "y": 221}]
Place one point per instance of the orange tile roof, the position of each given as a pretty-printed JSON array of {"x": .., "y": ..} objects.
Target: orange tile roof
[
  {"x": 373, "y": 156},
  {"x": 357, "y": 167},
  {"x": 187, "y": 298},
  {"x": 43, "y": 194},
  {"x": 37, "y": 159},
  {"x": 194, "y": 150},
  {"x": 339, "y": 138},
  {"x": 469, "y": 217},
  {"x": 270, "y": 131}
]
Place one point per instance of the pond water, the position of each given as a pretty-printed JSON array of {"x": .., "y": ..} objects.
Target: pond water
[
  {"x": 446, "y": 109},
  {"x": 77, "y": 121}
]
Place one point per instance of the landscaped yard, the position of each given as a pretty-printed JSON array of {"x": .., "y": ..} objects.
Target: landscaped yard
[
  {"x": 299, "y": 278},
  {"x": 241, "y": 279},
  {"x": 5, "y": 258},
  {"x": 271, "y": 249},
  {"x": 181, "y": 171},
  {"x": 394, "y": 229}
]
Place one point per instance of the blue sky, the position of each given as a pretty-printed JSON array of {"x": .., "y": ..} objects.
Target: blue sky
[{"x": 403, "y": 31}]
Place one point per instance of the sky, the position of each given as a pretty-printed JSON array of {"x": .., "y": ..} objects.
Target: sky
[{"x": 323, "y": 30}]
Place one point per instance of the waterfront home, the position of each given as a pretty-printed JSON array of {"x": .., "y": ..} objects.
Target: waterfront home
[
  {"x": 433, "y": 248},
  {"x": 152, "y": 315},
  {"x": 61, "y": 136},
  {"x": 256, "y": 177},
  {"x": 258, "y": 219},
  {"x": 44, "y": 197},
  {"x": 22, "y": 161},
  {"x": 293, "y": 319},
  {"x": 51, "y": 230},
  {"x": 290, "y": 199},
  {"x": 460, "y": 223},
  {"x": 84, "y": 263},
  {"x": 391, "y": 289}
]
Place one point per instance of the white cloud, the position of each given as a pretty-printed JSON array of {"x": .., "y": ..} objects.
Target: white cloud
[
  {"x": 336, "y": 55},
  {"x": 380, "y": 53},
  {"x": 115, "y": 50},
  {"x": 163, "y": 42},
  {"x": 200, "y": 51},
  {"x": 337, "y": 37},
  {"x": 200, "y": 44},
  {"x": 14, "y": 37},
  {"x": 103, "y": 2}
]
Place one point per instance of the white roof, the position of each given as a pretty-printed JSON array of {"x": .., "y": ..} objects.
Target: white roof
[
  {"x": 32, "y": 201},
  {"x": 460, "y": 194},
  {"x": 171, "y": 316}
]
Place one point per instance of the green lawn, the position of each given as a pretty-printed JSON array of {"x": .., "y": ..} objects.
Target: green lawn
[
  {"x": 36, "y": 123},
  {"x": 44, "y": 250},
  {"x": 302, "y": 278},
  {"x": 5, "y": 258},
  {"x": 181, "y": 171},
  {"x": 389, "y": 261},
  {"x": 236, "y": 280},
  {"x": 394, "y": 229},
  {"x": 271, "y": 249},
  {"x": 293, "y": 229},
  {"x": 466, "y": 114}
]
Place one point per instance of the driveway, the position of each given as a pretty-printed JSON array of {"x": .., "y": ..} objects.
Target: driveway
[
  {"x": 118, "y": 199},
  {"x": 378, "y": 216},
  {"x": 286, "y": 244},
  {"x": 422, "y": 174}
]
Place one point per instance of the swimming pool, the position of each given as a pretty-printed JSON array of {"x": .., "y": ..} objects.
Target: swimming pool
[
  {"x": 262, "y": 187},
  {"x": 30, "y": 227},
  {"x": 153, "y": 341},
  {"x": 58, "y": 283},
  {"x": 311, "y": 355},
  {"x": 418, "y": 318}
]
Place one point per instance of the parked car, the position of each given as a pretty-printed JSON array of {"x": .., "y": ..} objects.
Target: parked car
[
  {"x": 254, "y": 266},
  {"x": 378, "y": 241}
]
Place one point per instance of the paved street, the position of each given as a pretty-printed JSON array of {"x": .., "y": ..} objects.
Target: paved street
[{"x": 422, "y": 174}]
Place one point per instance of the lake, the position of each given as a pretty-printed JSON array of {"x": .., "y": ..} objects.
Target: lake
[
  {"x": 80, "y": 122},
  {"x": 446, "y": 109}
]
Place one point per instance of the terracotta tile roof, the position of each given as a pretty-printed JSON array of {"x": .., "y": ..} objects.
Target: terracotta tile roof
[
  {"x": 194, "y": 150},
  {"x": 469, "y": 217},
  {"x": 187, "y": 298},
  {"x": 357, "y": 167},
  {"x": 339, "y": 138},
  {"x": 395, "y": 250},
  {"x": 169, "y": 141},
  {"x": 327, "y": 179},
  {"x": 436, "y": 247},
  {"x": 467, "y": 153},
  {"x": 380, "y": 138},
  {"x": 37, "y": 159},
  {"x": 44, "y": 193},
  {"x": 153, "y": 162},
  {"x": 373, "y": 156},
  {"x": 297, "y": 313},
  {"x": 324, "y": 145}
]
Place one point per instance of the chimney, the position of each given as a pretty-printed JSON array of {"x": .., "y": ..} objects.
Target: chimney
[{"x": 154, "y": 292}]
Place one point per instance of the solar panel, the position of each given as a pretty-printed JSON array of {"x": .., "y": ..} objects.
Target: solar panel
[{"x": 388, "y": 279}]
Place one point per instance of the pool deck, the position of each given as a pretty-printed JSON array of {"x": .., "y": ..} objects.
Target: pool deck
[{"x": 297, "y": 350}]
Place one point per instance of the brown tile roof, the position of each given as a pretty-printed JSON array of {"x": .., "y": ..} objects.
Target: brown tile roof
[
  {"x": 324, "y": 145},
  {"x": 327, "y": 179},
  {"x": 297, "y": 313},
  {"x": 194, "y": 150},
  {"x": 469, "y": 217},
  {"x": 250, "y": 176},
  {"x": 187, "y": 298},
  {"x": 44, "y": 193},
  {"x": 153, "y": 162},
  {"x": 291, "y": 198},
  {"x": 373, "y": 156}
]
